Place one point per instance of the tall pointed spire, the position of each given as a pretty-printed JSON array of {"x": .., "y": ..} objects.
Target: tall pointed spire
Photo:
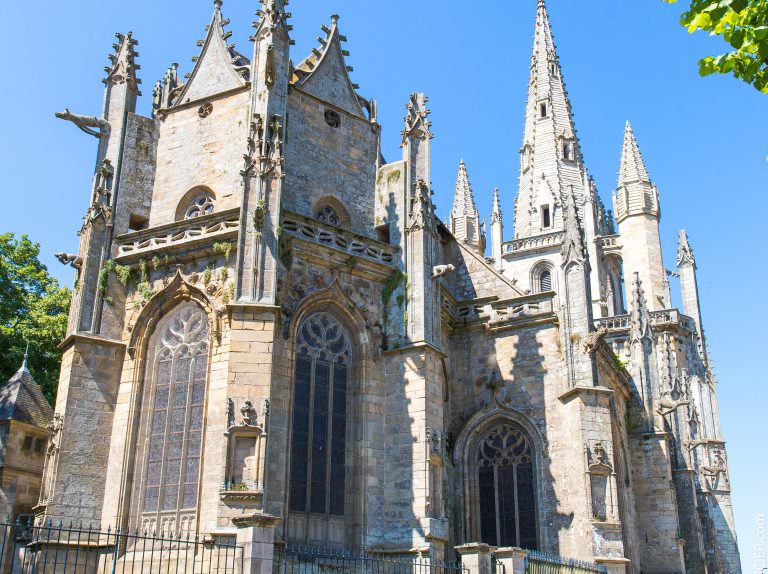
[
  {"x": 26, "y": 356},
  {"x": 632, "y": 168},
  {"x": 550, "y": 157},
  {"x": 465, "y": 221}
]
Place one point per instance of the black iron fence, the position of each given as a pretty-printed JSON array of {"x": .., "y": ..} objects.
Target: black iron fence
[
  {"x": 543, "y": 563},
  {"x": 62, "y": 549},
  {"x": 314, "y": 560}
]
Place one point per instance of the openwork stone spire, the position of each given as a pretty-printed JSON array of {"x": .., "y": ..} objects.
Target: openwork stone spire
[
  {"x": 465, "y": 221},
  {"x": 550, "y": 157}
]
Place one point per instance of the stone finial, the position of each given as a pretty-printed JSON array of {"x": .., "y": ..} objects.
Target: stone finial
[
  {"x": 684, "y": 250},
  {"x": 573, "y": 244},
  {"x": 496, "y": 214},
  {"x": 123, "y": 66},
  {"x": 417, "y": 124},
  {"x": 218, "y": 4},
  {"x": 639, "y": 316}
]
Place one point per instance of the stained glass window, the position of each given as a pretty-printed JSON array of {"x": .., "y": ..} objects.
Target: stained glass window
[
  {"x": 174, "y": 399},
  {"x": 506, "y": 488},
  {"x": 320, "y": 417}
]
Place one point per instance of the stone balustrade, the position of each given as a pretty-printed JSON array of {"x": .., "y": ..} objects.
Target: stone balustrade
[
  {"x": 665, "y": 318},
  {"x": 496, "y": 312},
  {"x": 217, "y": 226},
  {"x": 533, "y": 243},
  {"x": 314, "y": 231}
]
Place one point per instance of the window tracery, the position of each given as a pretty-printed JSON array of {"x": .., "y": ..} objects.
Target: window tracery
[
  {"x": 203, "y": 204},
  {"x": 506, "y": 488},
  {"x": 328, "y": 214},
  {"x": 319, "y": 427},
  {"x": 172, "y": 428}
]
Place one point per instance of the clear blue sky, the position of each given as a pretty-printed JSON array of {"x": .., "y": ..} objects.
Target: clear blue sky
[{"x": 704, "y": 139}]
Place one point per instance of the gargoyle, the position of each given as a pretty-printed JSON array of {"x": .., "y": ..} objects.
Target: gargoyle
[
  {"x": 668, "y": 406},
  {"x": 74, "y": 261},
  {"x": 592, "y": 341},
  {"x": 440, "y": 270},
  {"x": 85, "y": 123}
]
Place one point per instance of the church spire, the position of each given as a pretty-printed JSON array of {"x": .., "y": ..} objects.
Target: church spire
[
  {"x": 632, "y": 168},
  {"x": 465, "y": 221},
  {"x": 550, "y": 157}
]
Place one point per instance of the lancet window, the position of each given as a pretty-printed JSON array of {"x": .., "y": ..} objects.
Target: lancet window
[
  {"x": 506, "y": 487},
  {"x": 319, "y": 427},
  {"x": 172, "y": 427}
]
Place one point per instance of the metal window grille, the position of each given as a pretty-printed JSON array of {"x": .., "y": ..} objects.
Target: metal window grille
[
  {"x": 69, "y": 549},
  {"x": 315, "y": 560}
]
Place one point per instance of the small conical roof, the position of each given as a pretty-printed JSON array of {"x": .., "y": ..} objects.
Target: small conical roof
[{"x": 22, "y": 399}]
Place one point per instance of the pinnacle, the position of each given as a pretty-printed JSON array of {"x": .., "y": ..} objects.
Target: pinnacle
[
  {"x": 218, "y": 4},
  {"x": 464, "y": 201},
  {"x": 632, "y": 165}
]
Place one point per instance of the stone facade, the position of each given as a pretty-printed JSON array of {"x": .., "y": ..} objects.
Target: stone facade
[{"x": 272, "y": 330}]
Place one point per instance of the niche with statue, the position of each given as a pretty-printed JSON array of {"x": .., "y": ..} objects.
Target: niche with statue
[{"x": 246, "y": 448}]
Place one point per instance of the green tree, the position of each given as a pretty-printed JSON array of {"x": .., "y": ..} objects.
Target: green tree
[
  {"x": 34, "y": 310},
  {"x": 743, "y": 24}
]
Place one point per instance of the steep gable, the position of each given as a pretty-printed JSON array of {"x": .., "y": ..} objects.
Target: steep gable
[
  {"x": 219, "y": 68},
  {"x": 325, "y": 74}
]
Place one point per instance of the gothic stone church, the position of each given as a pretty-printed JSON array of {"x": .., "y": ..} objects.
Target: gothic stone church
[{"x": 271, "y": 324}]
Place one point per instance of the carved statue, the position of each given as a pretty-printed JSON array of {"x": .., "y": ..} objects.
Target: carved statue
[
  {"x": 440, "y": 270},
  {"x": 592, "y": 342},
  {"x": 713, "y": 472},
  {"x": 74, "y": 261},
  {"x": 85, "y": 123}
]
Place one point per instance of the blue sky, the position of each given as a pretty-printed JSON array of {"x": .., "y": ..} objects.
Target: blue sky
[{"x": 704, "y": 139}]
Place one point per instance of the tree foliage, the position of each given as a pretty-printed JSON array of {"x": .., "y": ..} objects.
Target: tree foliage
[
  {"x": 34, "y": 310},
  {"x": 743, "y": 24}
]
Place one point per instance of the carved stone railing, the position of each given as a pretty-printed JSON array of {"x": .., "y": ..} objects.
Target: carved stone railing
[
  {"x": 663, "y": 318},
  {"x": 216, "y": 226},
  {"x": 340, "y": 239},
  {"x": 496, "y": 313},
  {"x": 610, "y": 243},
  {"x": 617, "y": 323},
  {"x": 533, "y": 243}
]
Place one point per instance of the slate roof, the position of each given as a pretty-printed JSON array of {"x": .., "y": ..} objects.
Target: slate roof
[{"x": 22, "y": 399}]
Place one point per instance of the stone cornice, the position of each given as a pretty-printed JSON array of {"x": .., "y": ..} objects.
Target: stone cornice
[{"x": 75, "y": 338}]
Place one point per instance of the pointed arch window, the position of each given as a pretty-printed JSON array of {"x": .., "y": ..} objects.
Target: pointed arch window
[
  {"x": 319, "y": 427},
  {"x": 506, "y": 487},
  {"x": 172, "y": 427}
]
